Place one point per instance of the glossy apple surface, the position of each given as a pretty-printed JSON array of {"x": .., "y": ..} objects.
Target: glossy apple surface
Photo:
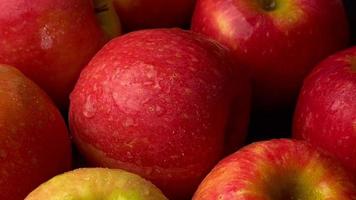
[
  {"x": 278, "y": 169},
  {"x": 50, "y": 41},
  {"x": 34, "y": 142},
  {"x": 141, "y": 14},
  {"x": 326, "y": 111},
  {"x": 280, "y": 41},
  {"x": 157, "y": 102},
  {"x": 97, "y": 183}
]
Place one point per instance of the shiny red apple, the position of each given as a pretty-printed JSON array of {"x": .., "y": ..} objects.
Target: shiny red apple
[
  {"x": 157, "y": 103},
  {"x": 50, "y": 41},
  {"x": 34, "y": 142},
  {"x": 141, "y": 14},
  {"x": 326, "y": 111},
  {"x": 280, "y": 41},
  {"x": 280, "y": 169}
]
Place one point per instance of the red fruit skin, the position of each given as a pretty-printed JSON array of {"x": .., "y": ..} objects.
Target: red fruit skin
[
  {"x": 276, "y": 169},
  {"x": 157, "y": 102},
  {"x": 50, "y": 41},
  {"x": 326, "y": 111},
  {"x": 143, "y": 14},
  {"x": 34, "y": 142},
  {"x": 279, "y": 47}
]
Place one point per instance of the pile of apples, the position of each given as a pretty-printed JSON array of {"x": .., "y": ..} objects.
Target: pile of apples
[{"x": 152, "y": 99}]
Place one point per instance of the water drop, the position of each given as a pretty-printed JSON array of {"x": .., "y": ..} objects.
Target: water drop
[
  {"x": 46, "y": 38},
  {"x": 128, "y": 122},
  {"x": 89, "y": 108}
]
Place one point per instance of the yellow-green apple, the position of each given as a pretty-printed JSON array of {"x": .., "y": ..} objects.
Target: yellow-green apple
[
  {"x": 107, "y": 17},
  {"x": 97, "y": 183},
  {"x": 278, "y": 40},
  {"x": 50, "y": 41},
  {"x": 141, "y": 14},
  {"x": 157, "y": 102},
  {"x": 34, "y": 142},
  {"x": 278, "y": 169},
  {"x": 325, "y": 114}
]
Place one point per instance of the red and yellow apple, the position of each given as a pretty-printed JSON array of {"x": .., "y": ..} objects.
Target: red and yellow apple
[
  {"x": 157, "y": 103},
  {"x": 280, "y": 41},
  {"x": 326, "y": 111},
  {"x": 50, "y": 41},
  {"x": 34, "y": 142},
  {"x": 278, "y": 169},
  {"x": 97, "y": 183},
  {"x": 141, "y": 14}
]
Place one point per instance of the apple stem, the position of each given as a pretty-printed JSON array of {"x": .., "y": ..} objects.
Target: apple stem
[{"x": 268, "y": 5}]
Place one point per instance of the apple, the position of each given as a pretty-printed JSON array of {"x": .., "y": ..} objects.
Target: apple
[
  {"x": 34, "y": 142},
  {"x": 50, "y": 41},
  {"x": 277, "y": 169},
  {"x": 326, "y": 111},
  {"x": 279, "y": 41},
  {"x": 107, "y": 17},
  {"x": 142, "y": 14},
  {"x": 97, "y": 183},
  {"x": 157, "y": 103}
]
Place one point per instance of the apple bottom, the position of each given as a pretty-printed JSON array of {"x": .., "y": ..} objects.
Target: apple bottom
[
  {"x": 279, "y": 170},
  {"x": 169, "y": 180}
]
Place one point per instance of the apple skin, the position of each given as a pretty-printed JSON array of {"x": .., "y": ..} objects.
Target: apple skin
[
  {"x": 97, "y": 183},
  {"x": 50, "y": 41},
  {"x": 156, "y": 103},
  {"x": 279, "y": 47},
  {"x": 143, "y": 14},
  {"x": 326, "y": 111},
  {"x": 34, "y": 142},
  {"x": 277, "y": 169}
]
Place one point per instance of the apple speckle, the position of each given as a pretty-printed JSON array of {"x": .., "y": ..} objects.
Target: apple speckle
[
  {"x": 89, "y": 107},
  {"x": 46, "y": 38}
]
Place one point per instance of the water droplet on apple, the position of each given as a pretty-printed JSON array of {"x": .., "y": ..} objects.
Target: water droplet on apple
[
  {"x": 160, "y": 110},
  {"x": 46, "y": 38},
  {"x": 128, "y": 122},
  {"x": 89, "y": 108}
]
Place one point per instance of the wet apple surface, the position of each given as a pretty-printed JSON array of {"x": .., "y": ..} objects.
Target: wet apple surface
[
  {"x": 326, "y": 111},
  {"x": 280, "y": 41},
  {"x": 95, "y": 184},
  {"x": 34, "y": 142},
  {"x": 50, "y": 41},
  {"x": 157, "y": 102}
]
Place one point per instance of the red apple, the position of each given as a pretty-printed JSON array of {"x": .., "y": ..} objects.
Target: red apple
[
  {"x": 50, "y": 41},
  {"x": 278, "y": 170},
  {"x": 326, "y": 111},
  {"x": 96, "y": 184},
  {"x": 157, "y": 102},
  {"x": 34, "y": 143},
  {"x": 278, "y": 40},
  {"x": 140, "y": 14}
]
